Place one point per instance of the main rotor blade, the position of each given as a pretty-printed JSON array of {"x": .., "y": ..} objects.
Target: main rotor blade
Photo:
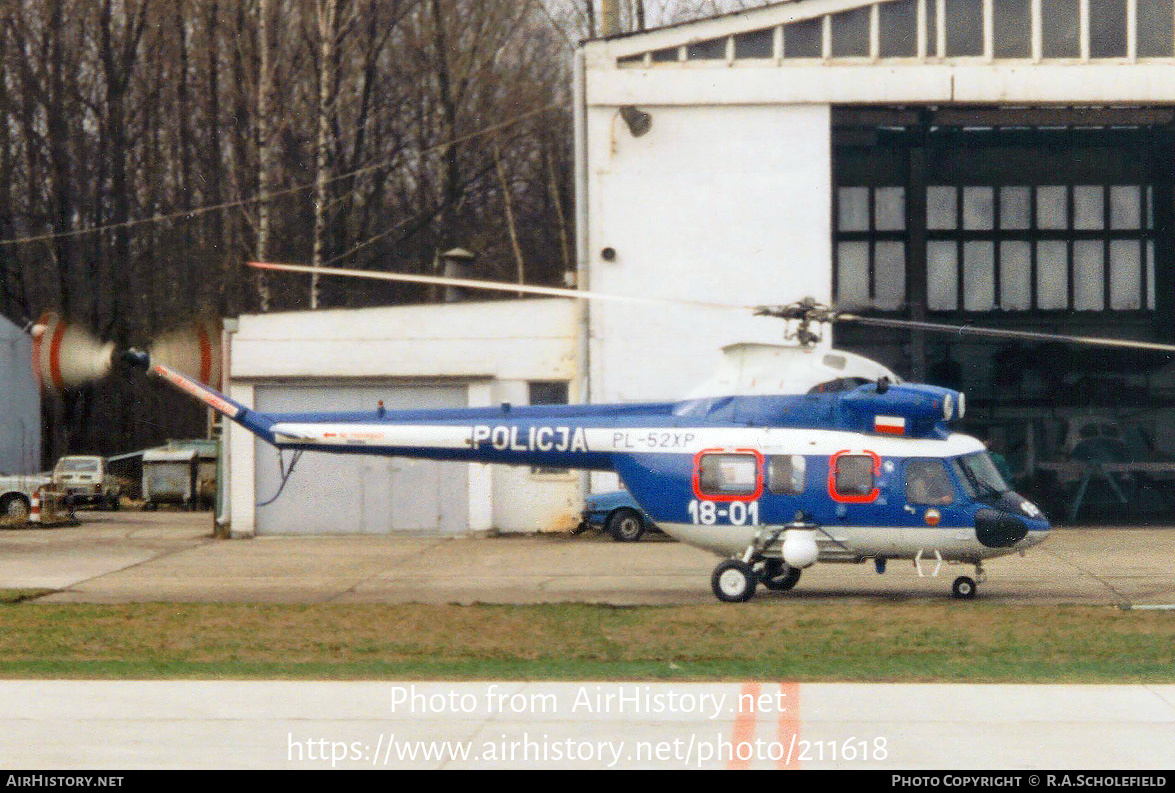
[
  {"x": 996, "y": 333},
  {"x": 499, "y": 286}
]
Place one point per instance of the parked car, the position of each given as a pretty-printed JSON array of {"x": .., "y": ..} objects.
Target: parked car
[
  {"x": 16, "y": 493},
  {"x": 84, "y": 480},
  {"x": 617, "y": 513}
]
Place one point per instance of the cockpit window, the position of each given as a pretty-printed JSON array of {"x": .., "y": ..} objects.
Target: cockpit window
[
  {"x": 979, "y": 475},
  {"x": 837, "y": 385},
  {"x": 927, "y": 482}
]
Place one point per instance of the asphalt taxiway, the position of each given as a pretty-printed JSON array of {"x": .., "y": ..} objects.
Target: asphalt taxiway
[{"x": 171, "y": 556}]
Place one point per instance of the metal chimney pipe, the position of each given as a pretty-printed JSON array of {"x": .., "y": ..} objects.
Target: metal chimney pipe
[{"x": 609, "y": 18}]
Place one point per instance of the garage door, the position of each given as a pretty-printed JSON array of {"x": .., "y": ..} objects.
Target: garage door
[{"x": 360, "y": 494}]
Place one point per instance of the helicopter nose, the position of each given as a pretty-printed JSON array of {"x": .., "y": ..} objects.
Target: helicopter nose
[
  {"x": 998, "y": 529},
  {"x": 1038, "y": 526}
]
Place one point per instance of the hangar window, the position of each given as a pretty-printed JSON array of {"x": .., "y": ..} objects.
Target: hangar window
[
  {"x": 756, "y": 44},
  {"x": 850, "y": 33},
  {"x": 964, "y": 28},
  {"x": 1061, "y": 20},
  {"x": 1107, "y": 29},
  {"x": 804, "y": 39},
  {"x": 870, "y": 246},
  {"x": 931, "y": 27},
  {"x": 1062, "y": 29},
  {"x": 1079, "y": 247},
  {"x": 898, "y": 29},
  {"x": 1156, "y": 28},
  {"x": 1012, "y": 28},
  {"x": 712, "y": 50}
]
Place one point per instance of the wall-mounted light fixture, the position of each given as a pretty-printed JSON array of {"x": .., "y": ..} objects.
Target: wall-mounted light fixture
[{"x": 638, "y": 121}]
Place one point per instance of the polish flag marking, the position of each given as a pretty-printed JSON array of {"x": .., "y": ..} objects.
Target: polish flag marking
[{"x": 890, "y": 425}]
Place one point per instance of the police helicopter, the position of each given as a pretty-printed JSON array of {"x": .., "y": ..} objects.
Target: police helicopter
[{"x": 788, "y": 456}]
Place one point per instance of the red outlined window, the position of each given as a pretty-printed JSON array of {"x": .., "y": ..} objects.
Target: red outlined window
[
  {"x": 852, "y": 476},
  {"x": 728, "y": 475}
]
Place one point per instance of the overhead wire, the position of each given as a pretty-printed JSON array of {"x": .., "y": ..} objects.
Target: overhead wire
[{"x": 194, "y": 212}]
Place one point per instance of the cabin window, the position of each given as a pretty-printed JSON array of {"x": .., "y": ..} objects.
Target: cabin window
[
  {"x": 785, "y": 474},
  {"x": 853, "y": 477},
  {"x": 727, "y": 475},
  {"x": 927, "y": 482}
]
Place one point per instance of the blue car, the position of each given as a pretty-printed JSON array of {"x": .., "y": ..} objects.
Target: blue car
[{"x": 616, "y": 513}]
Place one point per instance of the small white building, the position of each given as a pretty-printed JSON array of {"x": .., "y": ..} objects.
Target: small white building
[
  {"x": 441, "y": 355},
  {"x": 20, "y": 406}
]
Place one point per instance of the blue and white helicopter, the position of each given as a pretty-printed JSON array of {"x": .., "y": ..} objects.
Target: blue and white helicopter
[{"x": 788, "y": 456}]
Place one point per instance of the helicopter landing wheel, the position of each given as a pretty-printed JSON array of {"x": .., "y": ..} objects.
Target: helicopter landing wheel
[
  {"x": 778, "y": 577},
  {"x": 964, "y": 588},
  {"x": 733, "y": 581}
]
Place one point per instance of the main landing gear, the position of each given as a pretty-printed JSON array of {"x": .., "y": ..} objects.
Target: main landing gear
[{"x": 735, "y": 580}]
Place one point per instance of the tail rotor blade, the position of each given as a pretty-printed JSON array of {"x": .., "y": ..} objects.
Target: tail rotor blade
[
  {"x": 66, "y": 355},
  {"x": 193, "y": 349}
]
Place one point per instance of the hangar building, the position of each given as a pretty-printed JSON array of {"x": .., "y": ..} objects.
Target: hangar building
[
  {"x": 20, "y": 407},
  {"x": 998, "y": 162}
]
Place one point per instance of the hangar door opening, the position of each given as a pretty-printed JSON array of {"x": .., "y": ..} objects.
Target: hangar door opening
[
  {"x": 1049, "y": 219},
  {"x": 360, "y": 494}
]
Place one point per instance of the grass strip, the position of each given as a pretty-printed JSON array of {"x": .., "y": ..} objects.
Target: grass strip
[{"x": 850, "y": 641}]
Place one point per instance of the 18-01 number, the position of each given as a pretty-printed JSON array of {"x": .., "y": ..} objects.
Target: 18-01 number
[{"x": 737, "y": 513}]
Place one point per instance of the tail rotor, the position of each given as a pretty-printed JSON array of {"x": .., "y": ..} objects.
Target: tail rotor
[{"x": 67, "y": 356}]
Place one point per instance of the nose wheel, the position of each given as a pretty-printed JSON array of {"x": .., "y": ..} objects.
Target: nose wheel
[{"x": 964, "y": 588}]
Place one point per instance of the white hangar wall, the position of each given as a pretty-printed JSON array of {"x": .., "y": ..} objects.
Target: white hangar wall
[
  {"x": 460, "y": 354},
  {"x": 721, "y": 203},
  {"x": 20, "y": 407}
]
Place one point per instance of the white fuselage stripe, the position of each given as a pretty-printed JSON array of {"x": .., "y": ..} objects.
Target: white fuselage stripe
[{"x": 544, "y": 437}]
